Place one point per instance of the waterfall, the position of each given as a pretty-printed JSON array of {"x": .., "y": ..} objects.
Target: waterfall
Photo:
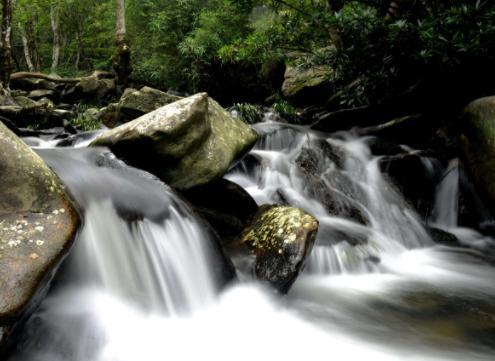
[
  {"x": 143, "y": 280},
  {"x": 393, "y": 227}
]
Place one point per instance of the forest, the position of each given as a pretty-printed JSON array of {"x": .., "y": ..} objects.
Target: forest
[{"x": 247, "y": 179}]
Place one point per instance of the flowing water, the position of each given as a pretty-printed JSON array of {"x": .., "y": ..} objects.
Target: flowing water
[{"x": 144, "y": 279}]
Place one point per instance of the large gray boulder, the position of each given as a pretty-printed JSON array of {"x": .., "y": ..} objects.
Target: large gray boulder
[
  {"x": 281, "y": 238},
  {"x": 37, "y": 226},
  {"x": 187, "y": 143},
  {"x": 478, "y": 143}
]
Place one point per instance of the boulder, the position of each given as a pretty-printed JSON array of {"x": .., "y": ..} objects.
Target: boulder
[
  {"x": 413, "y": 175},
  {"x": 307, "y": 86},
  {"x": 187, "y": 143},
  {"x": 109, "y": 115},
  {"x": 139, "y": 102},
  {"x": 133, "y": 104},
  {"x": 25, "y": 102},
  {"x": 281, "y": 238},
  {"x": 477, "y": 142},
  {"x": 90, "y": 88},
  {"x": 43, "y": 93},
  {"x": 37, "y": 226},
  {"x": 224, "y": 204}
]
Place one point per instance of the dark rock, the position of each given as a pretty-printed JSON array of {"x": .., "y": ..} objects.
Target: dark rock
[
  {"x": 224, "y": 204},
  {"x": 312, "y": 163},
  {"x": 281, "y": 238},
  {"x": 410, "y": 173},
  {"x": 478, "y": 143},
  {"x": 443, "y": 237}
]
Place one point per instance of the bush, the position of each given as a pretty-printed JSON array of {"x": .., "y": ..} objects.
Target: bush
[{"x": 249, "y": 113}]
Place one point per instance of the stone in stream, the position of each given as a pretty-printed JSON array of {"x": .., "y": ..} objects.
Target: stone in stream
[
  {"x": 224, "y": 204},
  {"x": 37, "y": 226},
  {"x": 281, "y": 238},
  {"x": 478, "y": 143},
  {"x": 312, "y": 164},
  {"x": 187, "y": 143}
]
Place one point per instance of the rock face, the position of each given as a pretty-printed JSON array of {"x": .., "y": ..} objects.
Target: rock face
[
  {"x": 306, "y": 86},
  {"x": 281, "y": 237},
  {"x": 478, "y": 143},
  {"x": 37, "y": 226},
  {"x": 187, "y": 143}
]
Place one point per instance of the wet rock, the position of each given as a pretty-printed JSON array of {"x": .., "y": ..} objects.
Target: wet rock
[
  {"x": 307, "y": 86},
  {"x": 187, "y": 143},
  {"x": 224, "y": 204},
  {"x": 414, "y": 178},
  {"x": 281, "y": 238},
  {"x": 442, "y": 237},
  {"x": 478, "y": 143},
  {"x": 37, "y": 226},
  {"x": 312, "y": 163}
]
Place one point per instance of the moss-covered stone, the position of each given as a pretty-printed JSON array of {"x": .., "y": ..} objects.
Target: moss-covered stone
[
  {"x": 281, "y": 238},
  {"x": 139, "y": 102},
  {"x": 307, "y": 86},
  {"x": 187, "y": 143},
  {"x": 478, "y": 143},
  {"x": 37, "y": 225}
]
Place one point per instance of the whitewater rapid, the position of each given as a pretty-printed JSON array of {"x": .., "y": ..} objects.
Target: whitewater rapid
[{"x": 143, "y": 283}]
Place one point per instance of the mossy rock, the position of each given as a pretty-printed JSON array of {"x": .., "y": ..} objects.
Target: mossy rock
[
  {"x": 306, "y": 87},
  {"x": 281, "y": 237},
  {"x": 37, "y": 226},
  {"x": 187, "y": 143},
  {"x": 139, "y": 102},
  {"x": 478, "y": 143}
]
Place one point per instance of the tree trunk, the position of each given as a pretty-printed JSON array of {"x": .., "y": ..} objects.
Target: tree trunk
[
  {"x": 78, "y": 50},
  {"x": 122, "y": 57},
  {"x": 25, "y": 47},
  {"x": 5, "y": 47},
  {"x": 54, "y": 19}
]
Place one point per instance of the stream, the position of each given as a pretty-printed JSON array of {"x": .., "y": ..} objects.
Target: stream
[{"x": 144, "y": 279}]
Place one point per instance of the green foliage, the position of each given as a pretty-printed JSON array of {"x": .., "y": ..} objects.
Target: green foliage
[
  {"x": 286, "y": 111},
  {"x": 224, "y": 45},
  {"x": 83, "y": 121},
  {"x": 250, "y": 113}
]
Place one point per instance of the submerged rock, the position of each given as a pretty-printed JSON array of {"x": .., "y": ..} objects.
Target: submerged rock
[
  {"x": 187, "y": 143},
  {"x": 478, "y": 143},
  {"x": 281, "y": 238},
  {"x": 37, "y": 226}
]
